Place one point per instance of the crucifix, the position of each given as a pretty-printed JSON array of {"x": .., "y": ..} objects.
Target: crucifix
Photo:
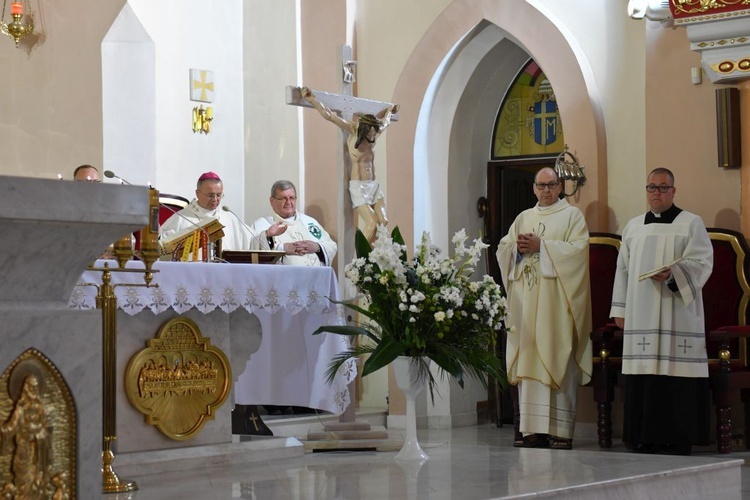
[
  {"x": 362, "y": 121},
  {"x": 356, "y": 169}
]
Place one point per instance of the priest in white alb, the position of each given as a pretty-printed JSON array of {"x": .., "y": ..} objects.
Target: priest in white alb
[
  {"x": 302, "y": 238},
  {"x": 544, "y": 261},
  {"x": 667, "y": 407}
]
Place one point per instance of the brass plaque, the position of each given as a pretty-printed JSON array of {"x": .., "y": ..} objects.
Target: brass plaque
[
  {"x": 37, "y": 430},
  {"x": 178, "y": 380}
]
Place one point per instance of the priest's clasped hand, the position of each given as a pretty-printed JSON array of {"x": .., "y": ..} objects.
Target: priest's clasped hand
[
  {"x": 528, "y": 243},
  {"x": 301, "y": 247}
]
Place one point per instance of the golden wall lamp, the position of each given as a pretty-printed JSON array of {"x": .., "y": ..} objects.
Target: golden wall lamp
[
  {"x": 17, "y": 29},
  {"x": 569, "y": 169}
]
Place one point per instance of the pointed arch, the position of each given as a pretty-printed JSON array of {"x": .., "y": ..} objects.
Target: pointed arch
[{"x": 537, "y": 35}]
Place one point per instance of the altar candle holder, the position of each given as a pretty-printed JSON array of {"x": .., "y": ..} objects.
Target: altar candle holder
[{"x": 106, "y": 300}]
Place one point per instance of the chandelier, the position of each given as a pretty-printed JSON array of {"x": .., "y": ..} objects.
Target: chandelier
[{"x": 17, "y": 29}]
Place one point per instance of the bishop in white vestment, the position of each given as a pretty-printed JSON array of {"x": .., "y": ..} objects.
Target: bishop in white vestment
[
  {"x": 664, "y": 345},
  {"x": 208, "y": 194},
  {"x": 544, "y": 264}
]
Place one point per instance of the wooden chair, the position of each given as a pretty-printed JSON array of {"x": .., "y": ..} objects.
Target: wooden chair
[
  {"x": 726, "y": 296},
  {"x": 603, "y": 251}
]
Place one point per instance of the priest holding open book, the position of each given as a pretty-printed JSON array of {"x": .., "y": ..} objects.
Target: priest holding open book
[
  {"x": 206, "y": 208},
  {"x": 665, "y": 259}
]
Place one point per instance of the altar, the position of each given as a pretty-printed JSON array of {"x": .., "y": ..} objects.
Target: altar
[{"x": 261, "y": 316}]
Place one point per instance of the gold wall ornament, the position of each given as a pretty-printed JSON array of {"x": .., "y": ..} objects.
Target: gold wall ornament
[
  {"x": 179, "y": 380},
  {"x": 37, "y": 430},
  {"x": 202, "y": 119}
]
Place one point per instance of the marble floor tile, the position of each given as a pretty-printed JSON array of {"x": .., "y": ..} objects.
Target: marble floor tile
[{"x": 465, "y": 463}]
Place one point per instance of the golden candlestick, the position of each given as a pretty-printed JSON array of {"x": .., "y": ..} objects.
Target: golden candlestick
[{"x": 106, "y": 300}]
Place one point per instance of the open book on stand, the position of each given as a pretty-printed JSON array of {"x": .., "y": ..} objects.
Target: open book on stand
[
  {"x": 658, "y": 270},
  {"x": 192, "y": 240}
]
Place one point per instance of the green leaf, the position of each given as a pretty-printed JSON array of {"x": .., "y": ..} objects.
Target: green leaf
[
  {"x": 388, "y": 350},
  {"x": 397, "y": 237},
  {"x": 361, "y": 245},
  {"x": 351, "y": 331},
  {"x": 339, "y": 359}
]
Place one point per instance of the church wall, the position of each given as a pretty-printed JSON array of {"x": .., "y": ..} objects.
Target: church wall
[
  {"x": 681, "y": 132},
  {"x": 50, "y": 107},
  {"x": 184, "y": 41},
  {"x": 271, "y": 128}
]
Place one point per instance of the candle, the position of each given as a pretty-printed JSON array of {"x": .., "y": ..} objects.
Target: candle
[{"x": 16, "y": 8}]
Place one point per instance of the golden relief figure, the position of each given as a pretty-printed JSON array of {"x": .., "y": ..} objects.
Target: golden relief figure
[
  {"x": 37, "y": 431},
  {"x": 179, "y": 380}
]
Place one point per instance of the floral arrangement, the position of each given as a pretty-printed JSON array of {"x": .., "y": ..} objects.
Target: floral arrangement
[{"x": 424, "y": 308}]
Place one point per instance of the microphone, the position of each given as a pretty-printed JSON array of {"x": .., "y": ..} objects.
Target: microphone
[
  {"x": 205, "y": 233},
  {"x": 256, "y": 237},
  {"x": 111, "y": 175}
]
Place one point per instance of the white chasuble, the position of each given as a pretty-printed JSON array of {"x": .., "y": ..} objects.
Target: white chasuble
[
  {"x": 236, "y": 235},
  {"x": 664, "y": 330},
  {"x": 300, "y": 227},
  {"x": 549, "y": 299}
]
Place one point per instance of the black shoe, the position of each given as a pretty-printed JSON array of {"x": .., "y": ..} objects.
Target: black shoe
[
  {"x": 535, "y": 441},
  {"x": 645, "y": 448}
]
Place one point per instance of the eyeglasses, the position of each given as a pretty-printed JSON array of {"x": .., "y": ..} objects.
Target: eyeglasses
[
  {"x": 652, "y": 188},
  {"x": 212, "y": 196},
  {"x": 548, "y": 185},
  {"x": 286, "y": 199}
]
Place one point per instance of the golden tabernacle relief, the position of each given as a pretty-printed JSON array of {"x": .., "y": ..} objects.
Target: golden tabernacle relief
[
  {"x": 179, "y": 380},
  {"x": 37, "y": 431}
]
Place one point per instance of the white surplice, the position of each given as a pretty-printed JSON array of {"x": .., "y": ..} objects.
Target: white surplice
[{"x": 664, "y": 330}]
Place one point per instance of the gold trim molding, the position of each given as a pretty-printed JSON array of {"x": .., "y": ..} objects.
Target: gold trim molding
[
  {"x": 37, "y": 430},
  {"x": 179, "y": 380}
]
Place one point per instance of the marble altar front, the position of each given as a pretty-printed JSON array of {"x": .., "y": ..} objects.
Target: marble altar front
[
  {"x": 51, "y": 231},
  {"x": 261, "y": 316}
]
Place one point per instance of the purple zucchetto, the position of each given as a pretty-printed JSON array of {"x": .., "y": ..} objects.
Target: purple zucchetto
[{"x": 209, "y": 175}]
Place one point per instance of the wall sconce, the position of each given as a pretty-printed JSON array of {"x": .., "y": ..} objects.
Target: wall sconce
[
  {"x": 568, "y": 169},
  {"x": 202, "y": 119},
  {"x": 16, "y": 29}
]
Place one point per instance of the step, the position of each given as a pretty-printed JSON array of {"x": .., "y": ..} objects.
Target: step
[{"x": 339, "y": 435}]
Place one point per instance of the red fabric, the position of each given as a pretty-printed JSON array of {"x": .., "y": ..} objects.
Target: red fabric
[{"x": 694, "y": 8}]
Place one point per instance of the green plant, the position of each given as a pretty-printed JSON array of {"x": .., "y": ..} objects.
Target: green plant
[{"x": 426, "y": 307}]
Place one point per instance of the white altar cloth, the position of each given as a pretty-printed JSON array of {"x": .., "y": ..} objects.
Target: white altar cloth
[{"x": 290, "y": 301}]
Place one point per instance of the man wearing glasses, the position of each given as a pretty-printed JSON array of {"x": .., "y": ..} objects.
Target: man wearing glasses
[
  {"x": 302, "y": 238},
  {"x": 665, "y": 259},
  {"x": 209, "y": 192},
  {"x": 544, "y": 261}
]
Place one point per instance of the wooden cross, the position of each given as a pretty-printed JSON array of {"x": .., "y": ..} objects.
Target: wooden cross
[{"x": 345, "y": 105}]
